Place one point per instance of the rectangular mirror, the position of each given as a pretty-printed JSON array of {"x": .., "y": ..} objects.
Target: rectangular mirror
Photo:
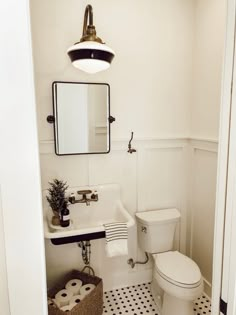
[{"x": 81, "y": 117}]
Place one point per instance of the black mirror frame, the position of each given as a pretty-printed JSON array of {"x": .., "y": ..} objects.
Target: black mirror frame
[{"x": 51, "y": 118}]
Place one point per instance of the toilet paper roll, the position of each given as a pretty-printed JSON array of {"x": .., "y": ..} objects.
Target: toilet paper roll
[
  {"x": 86, "y": 289},
  {"x": 68, "y": 308},
  {"x": 74, "y": 286},
  {"x": 63, "y": 297},
  {"x": 53, "y": 302},
  {"x": 77, "y": 298},
  {"x": 50, "y": 302}
]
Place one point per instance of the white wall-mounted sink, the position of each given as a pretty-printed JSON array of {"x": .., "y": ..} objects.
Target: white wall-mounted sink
[{"x": 90, "y": 219}]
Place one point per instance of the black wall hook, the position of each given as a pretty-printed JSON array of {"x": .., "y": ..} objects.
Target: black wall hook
[{"x": 130, "y": 149}]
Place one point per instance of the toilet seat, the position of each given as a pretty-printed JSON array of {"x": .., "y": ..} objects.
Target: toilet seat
[{"x": 178, "y": 269}]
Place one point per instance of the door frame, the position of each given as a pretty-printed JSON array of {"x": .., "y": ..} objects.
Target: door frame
[
  {"x": 223, "y": 208},
  {"x": 21, "y": 200},
  {"x": 15, "y": 24},
  {"x": 4, "y": 292}
]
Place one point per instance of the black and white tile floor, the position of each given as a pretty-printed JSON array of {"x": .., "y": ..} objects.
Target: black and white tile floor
[
  {"x": 138, "y": 300},
  {"x": 202, "y": 306}
]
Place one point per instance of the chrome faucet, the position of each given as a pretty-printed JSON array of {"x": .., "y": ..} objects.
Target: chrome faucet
[{"x": 84, "y": 199}]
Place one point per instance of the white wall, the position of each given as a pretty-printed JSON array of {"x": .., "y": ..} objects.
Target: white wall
[
  {"x": 209, "y": 36},
  {"x": 159, "y": 89},
  {"x": 152, "y": 67},
  {"x": 201, "y": 193},
  {"x": 19, "y": 167}
]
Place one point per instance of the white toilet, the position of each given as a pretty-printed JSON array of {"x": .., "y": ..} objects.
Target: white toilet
[{"x": 177, "y": 280}]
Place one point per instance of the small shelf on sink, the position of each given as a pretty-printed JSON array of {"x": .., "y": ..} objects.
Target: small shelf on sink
[{"x": 71, "y": 235}]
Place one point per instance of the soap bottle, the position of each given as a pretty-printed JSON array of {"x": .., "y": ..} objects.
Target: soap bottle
[{"x": 65, "y": 217}]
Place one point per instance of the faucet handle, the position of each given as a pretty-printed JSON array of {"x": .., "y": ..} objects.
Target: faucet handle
[
  {"x": 84, "y": 192},
  {"x": 71, "y": 198},
  {"x": 94, "y": 195}
]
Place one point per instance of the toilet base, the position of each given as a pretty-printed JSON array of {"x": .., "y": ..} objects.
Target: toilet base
[
  {"x": 157, "y": 294},
  {"x": 172, "y": 306}
]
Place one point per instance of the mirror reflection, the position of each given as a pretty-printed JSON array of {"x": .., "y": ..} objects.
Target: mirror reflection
[{"x": 81, "y": 112}]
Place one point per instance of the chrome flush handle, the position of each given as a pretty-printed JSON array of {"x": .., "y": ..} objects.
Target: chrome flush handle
[{"x": 143, "y": 229}]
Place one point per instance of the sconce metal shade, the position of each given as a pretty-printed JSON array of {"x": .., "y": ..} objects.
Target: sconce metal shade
[{"x": 90, "y": 54}]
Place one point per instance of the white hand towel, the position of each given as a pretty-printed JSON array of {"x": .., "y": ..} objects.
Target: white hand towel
[{"x": 116, "y": 239}]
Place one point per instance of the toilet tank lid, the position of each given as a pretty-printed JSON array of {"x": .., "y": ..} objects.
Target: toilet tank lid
[{"x": 158, "y": 216}]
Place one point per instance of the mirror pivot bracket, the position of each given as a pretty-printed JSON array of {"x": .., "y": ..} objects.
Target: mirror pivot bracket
[
  {"x": 111, "y": 119},
  {"x": 51, "y": 119}
]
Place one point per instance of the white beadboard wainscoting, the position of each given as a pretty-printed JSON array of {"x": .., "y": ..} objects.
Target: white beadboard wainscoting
[
  {"x": 163, "y": 173},
  {"x": 202, "y": 190}
]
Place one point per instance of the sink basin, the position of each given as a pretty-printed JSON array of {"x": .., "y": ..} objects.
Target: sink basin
[{"x": 87, "y": 220}]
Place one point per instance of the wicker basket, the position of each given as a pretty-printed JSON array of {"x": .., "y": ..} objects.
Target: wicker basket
[{"x": 92, "y": 304}]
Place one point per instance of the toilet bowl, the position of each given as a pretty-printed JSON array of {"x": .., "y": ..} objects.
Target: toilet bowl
[
  {"x": 177, "y": 279},
  {"x": 180, "y": 279}
]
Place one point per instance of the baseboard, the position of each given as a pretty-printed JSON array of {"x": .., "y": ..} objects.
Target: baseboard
[{"x": 207, "y": 288}]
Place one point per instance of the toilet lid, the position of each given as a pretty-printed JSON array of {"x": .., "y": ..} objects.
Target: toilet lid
[{"x": 178, "y": 268}]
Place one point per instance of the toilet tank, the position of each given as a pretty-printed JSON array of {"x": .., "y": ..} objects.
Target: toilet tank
[{"x": 156, "y": 229}]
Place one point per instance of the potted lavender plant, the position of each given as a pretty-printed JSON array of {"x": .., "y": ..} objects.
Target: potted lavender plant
[{"x": 57, "y": 199}]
